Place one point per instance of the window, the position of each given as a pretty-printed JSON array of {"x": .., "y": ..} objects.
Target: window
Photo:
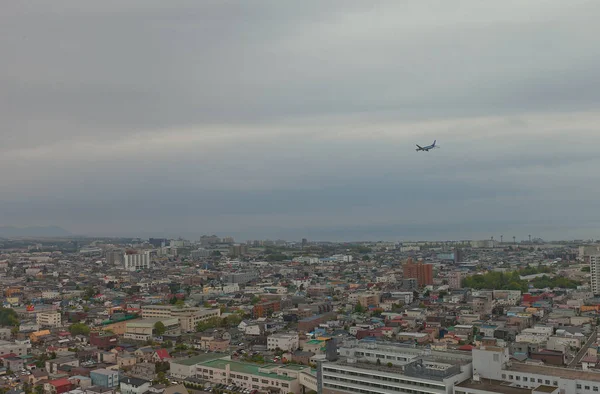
[
  {"x": 518, "y": 378},
  {"x": 578, "y": 386},
  {"x": 547, "y": 382},
  {"x": 555, "y": 383},
  {"x": 496, "y": 358},
  {"x": 510, "y": 377},
  {"x": 595, "y": 388},
  {"x": 524, "y": 378},
  {"x": 587, "y": 387},
  {"x": 503, "y": 376},
  {"x": 539, "y": 380}
]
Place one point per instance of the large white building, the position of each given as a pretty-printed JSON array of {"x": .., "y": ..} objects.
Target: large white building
[
  {"x": 399, "y": 369},
  {"x": 137, "y": 261},
  {"x": 285, "y": 342},
  {"x": 494, "y": 363}
]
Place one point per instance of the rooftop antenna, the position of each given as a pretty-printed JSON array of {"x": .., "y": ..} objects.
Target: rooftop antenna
[
  {"x": 514, "y": 240},
  {"x": 529, "y": 238},
  {"x": 501, "y": 238}
]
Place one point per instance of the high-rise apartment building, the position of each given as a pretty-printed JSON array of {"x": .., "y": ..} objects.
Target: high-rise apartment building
[
  {"x": 595, "y": 272},
  {"x": 420, "y": 271},
  {"x": 134, "y": 260},
  {"x": 114, "y": 257}
]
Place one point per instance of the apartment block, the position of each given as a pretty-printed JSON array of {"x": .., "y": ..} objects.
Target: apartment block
[
  {"x": 48, "y": 319},
  {"x": 285, "y": 342},
  {"x": 188, "y": 317}
]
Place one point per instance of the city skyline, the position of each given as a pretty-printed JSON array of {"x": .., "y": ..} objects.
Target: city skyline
[{"x": 291, "y": 121}]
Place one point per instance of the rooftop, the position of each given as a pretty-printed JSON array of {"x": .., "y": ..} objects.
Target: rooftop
[
  {"x": 493, "y": 386},
  {"x": 564, "y": 373},
  {"x": 247, "y": 368},
  {"x": 197, "y": 359}
]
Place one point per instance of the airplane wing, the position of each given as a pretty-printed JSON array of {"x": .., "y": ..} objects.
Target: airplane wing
[{"x": 419, "y": 147}]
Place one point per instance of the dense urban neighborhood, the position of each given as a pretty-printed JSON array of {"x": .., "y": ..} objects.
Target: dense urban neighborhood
[{"x": 100, "y": 316}]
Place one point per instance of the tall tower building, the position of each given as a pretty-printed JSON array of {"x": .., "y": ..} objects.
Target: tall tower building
[
  {"x": 595, "y": 272},
  {"x": 422, "y": 272}
]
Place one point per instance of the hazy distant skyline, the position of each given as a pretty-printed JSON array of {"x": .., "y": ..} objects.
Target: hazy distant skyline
[{"x": 270, "y": 119}]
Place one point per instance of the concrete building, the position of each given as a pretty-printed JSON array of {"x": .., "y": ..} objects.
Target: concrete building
[
  {"x": 48, "y": 319},
  {"x": 400, "y": 369},
  {"x": 253, "y": 377},
  {"x": 105, "y": 378},
  {"x": 494, "y": 363},
  {"x": 455, "y": 279},
  {"x": 595, "y": 272},
  {"x": 241, "y": 277},
  {"x": 114, "y": 257},
  {"x": 134, "y": 261},
  {"x": 20, "y": 348},
  {"x": 285, "y": 342},
  {"x": 199, "y": 254},
  {"x": 188, "y": 317},
  {"x": 423, "y": 273},
  {"x": 142, "y": 330},
  {"x": 134, "y": 385}
]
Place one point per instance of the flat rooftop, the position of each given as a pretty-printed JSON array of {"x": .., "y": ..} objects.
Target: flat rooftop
[
  {"x": 247, "y": 368},
  {"x": 493, "y": 386},
  {"x": 564, "y": 373},
  {"x": 197, "y": 359}
]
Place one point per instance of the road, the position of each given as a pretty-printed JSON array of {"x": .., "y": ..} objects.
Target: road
[{"x": 593, "y": 337}]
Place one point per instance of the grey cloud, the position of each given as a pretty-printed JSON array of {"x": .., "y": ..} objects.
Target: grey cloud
[{"x": 290, "y": 118}]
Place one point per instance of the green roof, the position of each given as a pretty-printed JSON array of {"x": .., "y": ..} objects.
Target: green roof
[
  {"x": 314, "y": 342},
  {"x": 250, "y": 369},
  {"x": 197, "y": 359}
]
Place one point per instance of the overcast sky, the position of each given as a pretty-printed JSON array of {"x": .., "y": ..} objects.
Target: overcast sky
[{"x": 291, "y": 119}]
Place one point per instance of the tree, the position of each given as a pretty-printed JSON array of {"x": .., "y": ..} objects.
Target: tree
[
  {"x": 378, "y": 362},
  {"x": 39, "y": 389},
  {"x": 79, "y": 329},
  {"x": 358, "y": 308},
  {"x": 586, "y": 269},
  {"x": 89, "y": 293},
  {"x": 159, "y": 328},
  {"x": 8, "y": 317}
]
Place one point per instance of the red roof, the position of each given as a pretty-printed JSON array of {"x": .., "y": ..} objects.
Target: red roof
[
  {"x": 9, "y": 355},
  {"x": 162, "y": 354},
  {"x": 60, "y": 382},
  {"x": 466, "y": 347}
]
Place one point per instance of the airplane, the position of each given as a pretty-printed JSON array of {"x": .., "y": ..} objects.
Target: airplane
[{"x": 426, "y": 148}]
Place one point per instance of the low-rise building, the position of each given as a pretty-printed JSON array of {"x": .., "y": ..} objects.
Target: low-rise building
[
  {"x": 283, "y": 341},
  {"x": 142, "y": 330},
  {"x": 251, "y": 376},
  {"x": 48, "y": 319},
  {"x": 105, "y": 378},
  {"x": 131, "y": 385}
]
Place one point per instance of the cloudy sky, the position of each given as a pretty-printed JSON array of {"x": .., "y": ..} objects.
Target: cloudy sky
[{"x": 282, "y": 119}]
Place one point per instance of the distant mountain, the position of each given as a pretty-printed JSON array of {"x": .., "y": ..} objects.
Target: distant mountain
[{"x": 34, "y": 231}]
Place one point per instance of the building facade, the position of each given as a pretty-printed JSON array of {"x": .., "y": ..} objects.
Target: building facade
[
  {"x": 135, "y": 261},
  {"x": 48, "y": 319},
  {"x": 285, "y": 342},
  {"x": 420, "y": 271}
]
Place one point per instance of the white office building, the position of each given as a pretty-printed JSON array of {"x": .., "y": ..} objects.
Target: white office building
[
  {"x": 137, "y": 261},
  {"x": 494, "y": 363},
  {"x": 399, "y": 369}
]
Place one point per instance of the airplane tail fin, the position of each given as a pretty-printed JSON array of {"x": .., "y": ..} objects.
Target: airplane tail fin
[{"x": 434, "y": 141}]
